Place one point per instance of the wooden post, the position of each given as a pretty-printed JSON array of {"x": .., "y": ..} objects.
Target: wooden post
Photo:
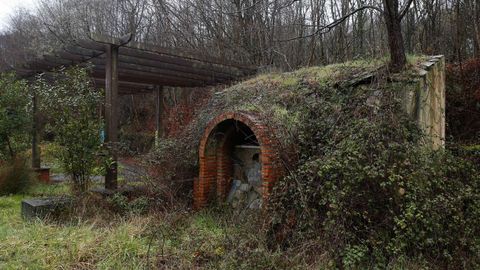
[
  {"x": 111, "y": 113},
  {"x": 158, "y": 114},
  {"x": 36, "y": 160}
]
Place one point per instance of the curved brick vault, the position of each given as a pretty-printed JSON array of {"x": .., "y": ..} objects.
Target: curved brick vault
[{"x": 216, "y": 165}]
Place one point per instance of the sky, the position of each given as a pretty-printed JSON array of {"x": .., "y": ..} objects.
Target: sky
[{"x": 8, "y": 7}]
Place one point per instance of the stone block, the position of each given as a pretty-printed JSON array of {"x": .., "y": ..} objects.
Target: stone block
[
  {"x": 42, "y": 208},
  {"x": 256, "y": 204},
  {"x": 235, "y": 185},
  {"x": 424, "y": 101},
  {"x": 245, "y": 187}
]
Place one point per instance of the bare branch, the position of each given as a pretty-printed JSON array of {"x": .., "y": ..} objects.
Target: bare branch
[
  {"x": 327, "y": 28},
  {"x": 405, "y": 9}
]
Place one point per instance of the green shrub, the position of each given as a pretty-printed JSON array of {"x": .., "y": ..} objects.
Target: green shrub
[
  {"x": 368, "y": 187},
  {"x": 71, "y": 102},
  {"x": 15, "y": 177},
  {"x": 123, "y": 205},
  {"x": 15, "y": 116}
]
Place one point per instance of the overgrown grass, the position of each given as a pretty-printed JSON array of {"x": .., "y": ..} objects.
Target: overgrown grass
[
  {"x": 215, "y": 238},
  {"x": 85, "y": 244},
  {"x": 174, "y": 239}
]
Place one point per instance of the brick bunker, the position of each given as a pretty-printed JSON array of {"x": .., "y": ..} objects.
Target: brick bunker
[
  {"x": 236, "y": 143},
  {"x": 233, "y": 146}
]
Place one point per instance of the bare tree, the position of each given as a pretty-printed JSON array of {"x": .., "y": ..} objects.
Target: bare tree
[
  {"x": 280, "y": 34},
  {"x": 393, "y": 16}
]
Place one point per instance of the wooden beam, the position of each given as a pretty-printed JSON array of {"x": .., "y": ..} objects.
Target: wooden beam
[
  {"x": 36, "y": 159},
  {"x": 195, "y": 64},
  {"x": 111, "y": 114},
  {"x": 159, "y": 129},
  {"x": 84, "y": 55},
  {"x": 140, "y": 71},
  {"x": 130, "y": 91},
  {"x": 143, "y": 63},
  {"x": 84, "y": 52},
  {"x": 92, "y": 45},
  {"x": 133, "y": 85},
  {"x": 127, "y": 88},
  {"x": 72, "y": 57},
  {"x": 166, "y": 55},
  {"x": 123, "y": 40},
  {"x": 177, "y": 52},
  {"x": 126, "y": 74},
  {"x": 166, "y": 72},
  {"x": 143, "y": 71},
  {"x": 187, "y": 71},
  {"x": 39, "y": 65},
  {"x": 23, "y": 73},
  {"x": 156, "y": 71},
  {"x": 147, "y": 78}
]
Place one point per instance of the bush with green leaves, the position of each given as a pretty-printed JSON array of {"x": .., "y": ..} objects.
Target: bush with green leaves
[
  {"x": 368, "y": 186},
  {"x": 15, "y": 116},
  {"x": 71, "y": 103}
]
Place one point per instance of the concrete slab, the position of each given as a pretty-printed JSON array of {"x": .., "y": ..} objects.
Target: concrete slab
[{"x": 41, "y": 208}]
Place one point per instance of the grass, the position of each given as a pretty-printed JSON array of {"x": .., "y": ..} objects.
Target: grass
[
  {"x": 81, "y": 245},
  {"x": 175, "y": 239},
  {"x": 214, "y": 238}
]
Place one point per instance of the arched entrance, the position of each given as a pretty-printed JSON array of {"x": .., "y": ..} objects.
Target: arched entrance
[{"x": 229, "y": 140}]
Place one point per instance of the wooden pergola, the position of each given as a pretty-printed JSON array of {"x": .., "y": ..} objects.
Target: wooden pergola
[{"x": 124, "y": 67}]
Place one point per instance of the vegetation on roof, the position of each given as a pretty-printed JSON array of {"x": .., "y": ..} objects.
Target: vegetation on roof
[
  {"x": 280, "y": 99},
  {"x": 361, "y": 182}
]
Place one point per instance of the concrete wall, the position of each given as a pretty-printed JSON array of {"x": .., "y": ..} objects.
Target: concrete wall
[{"x": 426, "y": 101}]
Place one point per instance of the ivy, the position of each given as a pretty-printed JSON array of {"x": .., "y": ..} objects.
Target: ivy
[
  {"x": 369, "y": 188},
  {"x": 360, "y": 178}
]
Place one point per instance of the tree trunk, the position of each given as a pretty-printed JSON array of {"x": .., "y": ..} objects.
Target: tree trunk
[
  {"x": 10, "y": 149},
  {"x": 393, "y": 21},
  {"x": 476, "y": 28}
]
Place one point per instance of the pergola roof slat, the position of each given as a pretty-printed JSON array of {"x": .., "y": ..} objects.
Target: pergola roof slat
[
  {"x": 140, "y": 63},
  {"x": 183, "y": 53},
  {"x": 178, "y": 68},
  {"x": 167, "y": 56},
  {"x": 166, "y": 72},
  {"x": 147, "y": 79},
  {"x": 78, "y": 56},
  {"x": 125, "y": 70},
  {"x": 226, "y": 70},
  {"x": 85, "y": 53}
]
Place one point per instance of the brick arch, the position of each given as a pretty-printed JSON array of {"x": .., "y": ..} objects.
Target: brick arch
[{"x": 215, "y": 168}]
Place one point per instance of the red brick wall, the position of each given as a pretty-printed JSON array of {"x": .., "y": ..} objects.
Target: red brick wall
[
  {"x": 216, "y": 167},
  {"x": 180, "y": 106}
]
